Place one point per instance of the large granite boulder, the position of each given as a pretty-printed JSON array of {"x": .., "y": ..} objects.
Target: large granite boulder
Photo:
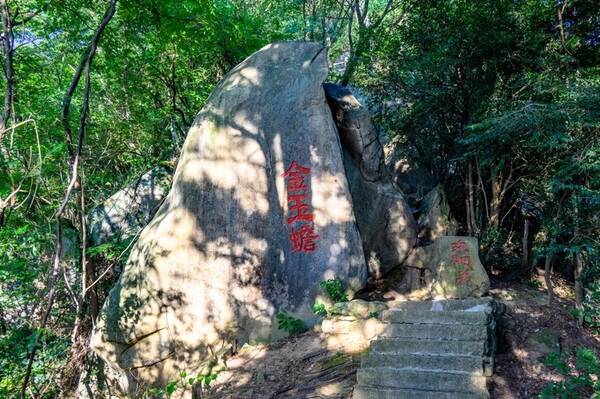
[
  {"x": 125, "y": 213},
  {"x": 259, "y": 213},
  {"x": 386, "y": 224},
  {"x": 453, "y": 262}
]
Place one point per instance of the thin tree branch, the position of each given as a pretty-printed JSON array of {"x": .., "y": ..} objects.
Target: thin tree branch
[{"x": 110, "y": 11}]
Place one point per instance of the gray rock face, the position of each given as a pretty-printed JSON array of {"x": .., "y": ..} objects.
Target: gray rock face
[
  {"x": 259, "y": 213},
  {"x": 386, "y": 225},
  {"x": 435, "y": 219},
  {"x": 127, "y": 211},
  {"x": 402, "y": 163},
  {"x": 357, "y": 133}
]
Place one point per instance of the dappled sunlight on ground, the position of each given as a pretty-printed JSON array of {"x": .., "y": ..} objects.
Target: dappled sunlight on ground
[
  {"x": 529, "y": 331},
  {"x": 299, "y": 366}
]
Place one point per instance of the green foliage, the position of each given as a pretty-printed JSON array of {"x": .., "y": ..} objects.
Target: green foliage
[
  {"x": 334, "y": 290},
  {"x": 319, "y": 309},
  {"x": 14, "y": 347},
  {"x": 591, "y": 305},
  {"x": 185, "y": 383},
  {"x": 578, "y": 383},
  {"x": 491, "y": 84},
  {"x": 591, "y": 281},
  {"x": 290, "y": 324},
  {"x": 535, "y": 284}
]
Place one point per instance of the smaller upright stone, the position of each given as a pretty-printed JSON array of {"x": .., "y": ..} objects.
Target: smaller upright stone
[
  {"x": 458, "y": 271},
  {"x": 455, "y": 266}
]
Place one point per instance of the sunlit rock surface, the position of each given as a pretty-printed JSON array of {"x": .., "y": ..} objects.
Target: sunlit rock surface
[
  {"x": 386, "y": 224},
  {"x": 454, "y": 263},
  {"x": 218, "y": 261}
]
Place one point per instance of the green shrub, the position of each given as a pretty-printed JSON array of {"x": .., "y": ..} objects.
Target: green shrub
[
  {"x": 184, "y": 382},
  {"x": 290, "y": 324},
  {"x": 580, "y": 383},
  {"x": 319, "y": 309},
  {"x": 334, "y": 290},
  {"x": 14, "y": 349},
  {"x": 591, "y": 305},
  {"x": 535, "y": 284}
]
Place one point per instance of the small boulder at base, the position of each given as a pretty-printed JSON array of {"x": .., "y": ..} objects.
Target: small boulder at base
[
  {"x": 259, "y": 213},
  {"x": 386, "y": 224},
  {"x": 454, "y": 263}
]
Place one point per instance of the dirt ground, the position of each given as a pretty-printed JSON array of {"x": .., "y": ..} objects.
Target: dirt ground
[
  {"x": 520, "y": 370},
  {"x": 300, "y": 367}
]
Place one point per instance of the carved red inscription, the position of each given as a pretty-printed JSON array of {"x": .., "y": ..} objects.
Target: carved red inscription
[
  {"x": 301, "y": 218},
  {"x": 461, "y": 260}
]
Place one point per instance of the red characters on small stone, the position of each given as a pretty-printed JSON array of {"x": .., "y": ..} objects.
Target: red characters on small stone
[
  {"x": 462, "y": 261},
  {"x": 303, "y": 238},
  {"x": 459, "y": 246}
]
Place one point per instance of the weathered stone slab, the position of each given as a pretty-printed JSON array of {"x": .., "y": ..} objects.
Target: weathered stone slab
[
  {"x": 365, "y": 392},
  {"x": 414, "y": 379},
  {"x": 449, "y": 332},
  {"x": 349, "y": 334},
  {"x": 358, "y": 308},
  {"x": 436, "y": 317},
  {"x": 485, "y": 304},
  {"x": 259, "y": 213},
  {"x": 448, "y": 363},
  {"x": 433, "y": 347}
]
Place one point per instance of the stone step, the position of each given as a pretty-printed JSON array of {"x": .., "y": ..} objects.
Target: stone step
[
  {"x": 367, "y": 392},
  {"x": 426, "y": 346},
  {"x": 436, "y": 317},
  {"x": 451, "y": 363},
  {"x": 449, "y": 332},
  {"x": 469, "y": 304},
  {"x": 387, "y": 377}
]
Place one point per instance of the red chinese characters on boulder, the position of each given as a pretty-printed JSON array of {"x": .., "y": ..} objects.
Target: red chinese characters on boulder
[
  {"x": 461, "y": 260},
  {"x": 300, "y": 219}
]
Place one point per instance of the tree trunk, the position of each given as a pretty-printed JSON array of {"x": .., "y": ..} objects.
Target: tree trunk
[
  {"x": 472, "y": 227},
  {"x": 356, "y": 53},
  {"x": 547, "y": 277},
  {"x": 579, "y": 293},
  {"x": 3, "y": 326},
  {"x": 495, "y": 204},
  {"x": 8, "y": 44},
  {"x": 73, "y": 178},
  {"x": 2, "y": 209},
  {"x": 525, "y": 245},
  {"x": 8, "y": 47}
]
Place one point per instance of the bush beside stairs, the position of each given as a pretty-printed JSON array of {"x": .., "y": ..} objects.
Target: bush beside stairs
[{"x": 431, "y": 350}]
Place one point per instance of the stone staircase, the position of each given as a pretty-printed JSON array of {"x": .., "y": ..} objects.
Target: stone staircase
[{"x": 431, "y": 350}]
